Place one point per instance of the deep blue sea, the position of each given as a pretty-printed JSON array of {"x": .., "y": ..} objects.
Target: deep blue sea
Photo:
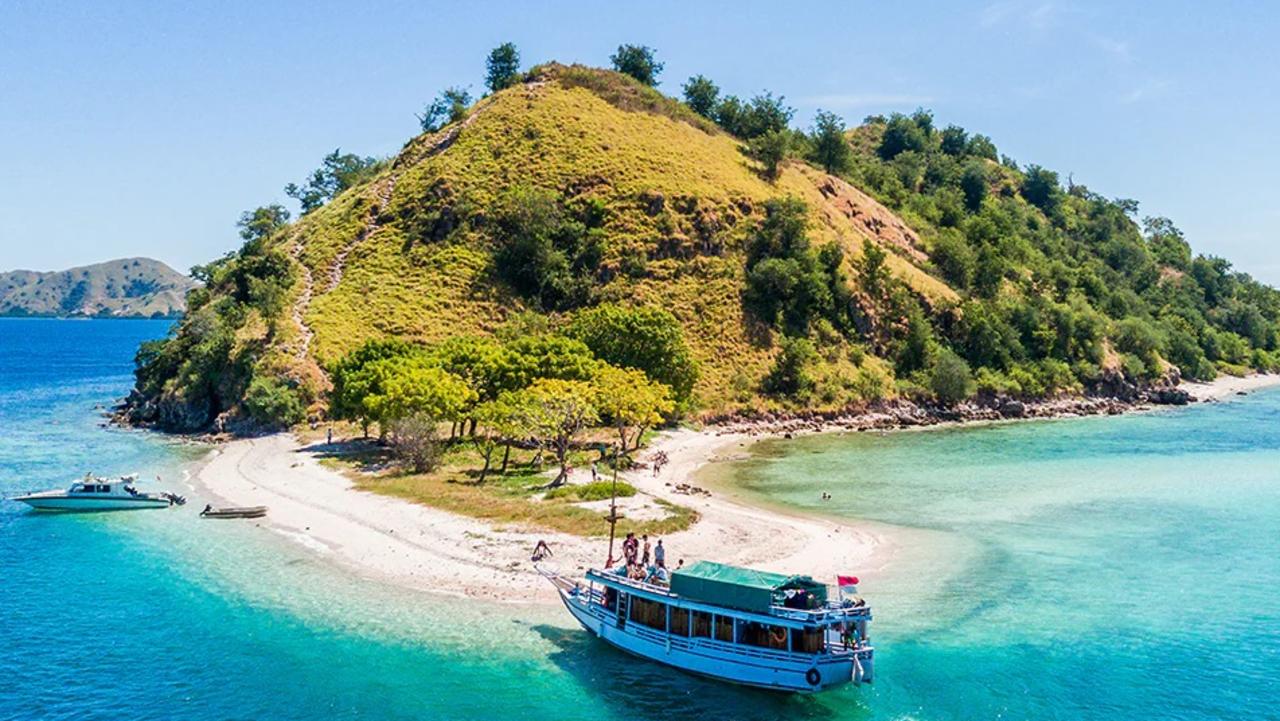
[{"x": 1105, "y": 568}]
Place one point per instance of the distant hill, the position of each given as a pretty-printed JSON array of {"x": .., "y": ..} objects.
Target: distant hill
[{"x": 125, "y": 288}]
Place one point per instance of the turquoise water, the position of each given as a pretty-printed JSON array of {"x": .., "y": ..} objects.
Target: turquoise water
[
  {"x": 1105, "y": 568},
  {"x": 1099, "y": 568}
]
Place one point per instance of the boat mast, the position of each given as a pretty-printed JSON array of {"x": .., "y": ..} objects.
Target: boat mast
[{"x": 613, "y": 516}]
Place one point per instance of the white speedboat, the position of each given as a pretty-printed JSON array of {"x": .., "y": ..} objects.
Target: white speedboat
[{"x": 99, "y": 494}]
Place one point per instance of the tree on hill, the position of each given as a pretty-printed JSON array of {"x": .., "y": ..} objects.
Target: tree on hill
[
  {"x": 765, "y": 113},
  {"x": 974, "y": 185},
  {"x": 337, "y": 172},
  {"x": 637, "y": 61},
  {"x": 955, "y": 141},
  {"x": 830, "y": 149},
  {"x": 556, "y": 411},
  {"x": 449, "y": 107},
  {"x": 792, "y": 372},
  {"x": 769, "y": 149},
  {"x": 1040, "y": 188},
  {"x": 901, "y": 134},
  {"x": 647, "y": 338},
  {"x": 701, "y": 95},
  {"x": 546, "y": 251},
  {"x": 260, "y": 223},
  {"x": 502, "y": 68}
]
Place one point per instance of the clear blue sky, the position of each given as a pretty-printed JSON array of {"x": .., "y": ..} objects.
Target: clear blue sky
[{"x": 146, "y": 128}]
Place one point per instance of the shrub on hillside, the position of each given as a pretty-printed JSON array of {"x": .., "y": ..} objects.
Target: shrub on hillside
[{"x": 273, "y": 403}]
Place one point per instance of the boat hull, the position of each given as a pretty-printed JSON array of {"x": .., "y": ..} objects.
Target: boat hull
[
  {"x": 62, "y": 504},
  {"x": 704, "y": 657}
]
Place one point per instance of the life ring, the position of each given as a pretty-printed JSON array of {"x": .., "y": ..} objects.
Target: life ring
[
  {"x": 780, "y": 636},
  {"x": 813, "y": 676}
]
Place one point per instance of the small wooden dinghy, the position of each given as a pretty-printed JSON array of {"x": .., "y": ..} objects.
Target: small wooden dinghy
[{"x": 234, "y": 512}]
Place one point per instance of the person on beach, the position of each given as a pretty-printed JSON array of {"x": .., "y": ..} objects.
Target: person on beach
[
  {"x": 660, "y": 555},
  {"x": 595, "y": 472},
  {"x": 644, "y": 560},
  {"x": 541, "y": 551},
  {"x": 330, "y": 441}
]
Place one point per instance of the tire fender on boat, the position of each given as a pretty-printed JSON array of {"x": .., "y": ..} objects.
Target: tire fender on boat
[{"x": 813, "y": 676}]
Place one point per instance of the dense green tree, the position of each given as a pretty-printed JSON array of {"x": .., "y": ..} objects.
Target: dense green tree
[
  {"x": 412, "y": 386},
  {"x": 955, "y": 141},
  {"x": 830, "y": 148},
  {"x": 769, "y": 149},
  {"x": 1040, "y": 187},
  {"x": 449, "y": 107},
  {"x": 629, "y": 401},
  {"x": 647, "y": 338},
  {"x": 792, "y": 372},
  {"x": 352, "y": 381},
  {"x": 337, "y": 172},
  {"x": 980, "y": 146},
  {"x": 556, "y": 412},
  {"x": 273, "y": 403},
  {"x": 974, "y": 184},
  {"x": 702, "y": 95},
  {"x": 950, "y": 379},
  {"x": 502, "y": 67},
  {"x": 549, "y": 253},
  {"x": 638, "y": 61},
  {"x": 901, "y": 134},
  {"x": 261, "y": 223}
]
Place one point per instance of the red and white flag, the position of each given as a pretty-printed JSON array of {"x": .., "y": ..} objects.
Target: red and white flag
[{"x": 848, "y": 585}]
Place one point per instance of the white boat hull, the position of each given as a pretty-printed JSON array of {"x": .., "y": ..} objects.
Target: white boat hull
[
  {"x": 66, "y": 504},
  {"x": 761, "y": 668}
]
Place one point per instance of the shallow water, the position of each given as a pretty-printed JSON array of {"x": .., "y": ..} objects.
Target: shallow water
[
  {"x": 1090, "y": 568},
  {"x": 1106, "y": 568}
]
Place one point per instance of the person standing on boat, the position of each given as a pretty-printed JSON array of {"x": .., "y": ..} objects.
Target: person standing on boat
[
  {"x": 644, "y": 560},
  {"x": 659, "y": 555},
  {"x": 629, "y": 549}
]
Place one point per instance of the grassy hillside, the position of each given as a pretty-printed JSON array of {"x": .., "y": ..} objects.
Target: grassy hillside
[
  {"x": 124, "y": 288},
  {"x": 578, "y": 186}
]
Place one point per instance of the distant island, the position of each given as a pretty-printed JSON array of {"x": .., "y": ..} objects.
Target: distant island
[{"x": 124, "y": 288}]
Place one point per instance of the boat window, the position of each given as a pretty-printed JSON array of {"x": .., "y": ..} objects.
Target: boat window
[
  {"x": 680, "y": 621},
  {"x": 764, "y": 635},
  {"x": 702, "y": 624},
  {"x": 649, "y": 613},
  {"x": 104, "y": 489},
  {"x": 724, "y": 629},
  {"x": 808, "y": 640}
]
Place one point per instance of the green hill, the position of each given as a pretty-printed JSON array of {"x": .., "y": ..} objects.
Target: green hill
[
  {"x": 923, "y": 266},
  {"x": 124, "y": 288}
]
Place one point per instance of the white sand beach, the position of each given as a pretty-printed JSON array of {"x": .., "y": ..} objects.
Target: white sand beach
[
  {"x": 432, "y": 550},
  {"x": 1224, "y": 387}
]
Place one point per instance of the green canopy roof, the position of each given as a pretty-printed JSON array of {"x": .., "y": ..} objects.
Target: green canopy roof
[{"x": 735, "y": 587}]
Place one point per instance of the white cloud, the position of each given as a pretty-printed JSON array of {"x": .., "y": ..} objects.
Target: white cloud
[
  {"x": 1036, "y": 15},
  {"x": 1150, "y": 89}
]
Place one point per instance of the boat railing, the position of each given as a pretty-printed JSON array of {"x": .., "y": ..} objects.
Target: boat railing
[{"x": 826, "y": 612}]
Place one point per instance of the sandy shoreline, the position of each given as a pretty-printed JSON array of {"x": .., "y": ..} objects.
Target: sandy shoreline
[
  {"x": 431, "y": 550},
  {"x": 427, "y": 549}
]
